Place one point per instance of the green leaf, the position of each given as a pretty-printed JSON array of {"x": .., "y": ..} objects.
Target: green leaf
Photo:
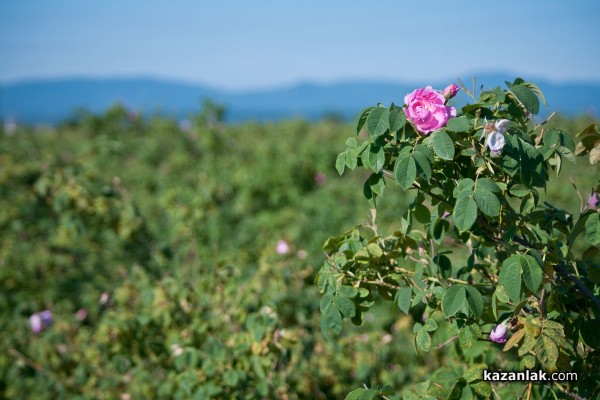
[
  {"x": 405, "y": 171},
  {"x": 331, "y": 321},
  {"x": 423, "y": 340},
  {"x": 403, "y": 299},
  {"x": 532, "y": 273},
  {"x": 397, "y": 119},
  {"x": 464, "y": 185},
  {"x": 487, "y": 184},
  {"x": 443, "y": 146},
  {"x": 475, "y": 372},
  {"x": 376, "y": 158},
  {"x": 475, "y": 300},
  {"x": 487, "y": 202},
  {"x": 351, "y": 159},
  {"x": 592, "y": 229},
  {"x": 340, "y": 163},
  {"x": 345, "y": 306},
  {"x": 361, "y": 119},
  {"x": 422, "y": 163},
  {"x": 535, "y": 89},
  {"x": 430, "y": 325},
  {"x": 501, "y": 294},
  {"x": 377, "y": 183},
  {"x": 527, "y": 97},
  {"x": 465, "y": 213},
  {"x": 510, "y": 277},
  {"x": 362, "y": 394},
  {"x": 548, "y": 352},
  {"x": 453, "y": 300},
  {"x": 459, "y": 124},
  {"x": 519, "y": 190},
  {"x": 378, "y": 121}
]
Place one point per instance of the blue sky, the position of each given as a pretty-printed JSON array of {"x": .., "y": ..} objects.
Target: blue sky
[{"x": 257, "y": 44}]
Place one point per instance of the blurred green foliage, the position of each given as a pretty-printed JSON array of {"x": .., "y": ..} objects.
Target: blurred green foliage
[{"x": 178, "y": 224}]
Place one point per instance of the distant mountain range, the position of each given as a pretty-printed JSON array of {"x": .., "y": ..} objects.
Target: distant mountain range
[{"x": 52, "y": 101}]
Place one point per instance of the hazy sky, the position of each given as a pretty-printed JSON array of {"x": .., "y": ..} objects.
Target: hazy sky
[{"x": 257, "y": 43}]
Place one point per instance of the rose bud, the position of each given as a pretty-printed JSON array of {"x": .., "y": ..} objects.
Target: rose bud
[
  {"x": 593, "y": 201},
  {"x": 498, "y": 334},
  {"x": 450, "y": 91}
]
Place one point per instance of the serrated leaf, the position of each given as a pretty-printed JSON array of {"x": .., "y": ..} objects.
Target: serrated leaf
[
  {"x": 362, "y": 394},
  {"x": 340, "y": 163},
  {"x": 331, "y": 321},
  {"x": 502, "y": 294},
  {"x": 443, "y": 146},
  {"x": 423, "y": 340},
  {"x": 535, "y": 89},
  {"x": 464, "y": 185},
  {"x": 475, "y": 372},
  {"x": 592, "y": 229},
  {"x": 376, "y": 158},
  {"x": 564, "y": 152},
  {"x": 403, "y": 299},
  {"x": 378, "y": 121},
  {"x": 510, "y": 277},
  {"x": 488, "y": 184},
  {"x": 532, "y": 273},
  {"x": 475, "y": 300},
  {"x": 519, "y": 190},
  {"x": 405, "y": 171},
  {"x": 397, "y": 119},
  {"x": 361, "y": 118},
  {"x": 345, "y": 306},
  {"x": 453, "y": 300},
  {"x": 464, "y": 213},
  {"x": 422, "y": 163},
  {"x": 487, "y": 202},
  {"x": 548, "y": 352},
  {"x": 351, "y": 159},
  {"x": 527, "y": 97},
  {"x": 430, "y": 325},
  {"x": 377, "y": 183},
  {"x": 458, "y": 124}
]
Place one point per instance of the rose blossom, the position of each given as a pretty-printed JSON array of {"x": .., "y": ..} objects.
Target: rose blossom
[
  {"x": 593, "y": 201},
  {"x": 427, "y": 110},
  {"x": 495, "y": 136},
  {"x": 40, "y": 321},
  {"x": 498, "y": 334},
  {"x": 450, "y": 91},
  {"x": 282, "y": 247}
]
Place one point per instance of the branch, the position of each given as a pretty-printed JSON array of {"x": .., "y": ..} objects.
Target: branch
[{"x": 570, "y": 394}]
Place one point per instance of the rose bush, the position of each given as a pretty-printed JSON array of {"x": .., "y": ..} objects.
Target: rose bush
[{"x": 476, "y": 246}]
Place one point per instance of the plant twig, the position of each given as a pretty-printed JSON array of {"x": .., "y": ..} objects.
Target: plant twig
[{"x": 570, "y": 394}]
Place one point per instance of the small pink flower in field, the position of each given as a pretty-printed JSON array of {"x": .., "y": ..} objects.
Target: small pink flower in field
[
  {"x": 320, "y": 178},
  {"x": 427, "y": 110},
  {"x": 282, "y": 247},
  {"x": 424, "y": 317},
  {"x": 81, "y": 314},
  {"x": 104, "y": 297},
  {"x": 450, "y": 91},
  {"x": 498, "y": 334},
  {"x": 40, "y": 321},
  {"x": 176, "y": 349},
  {"x": 387, "y": 338},
  {"x": 593, "y": 201}
]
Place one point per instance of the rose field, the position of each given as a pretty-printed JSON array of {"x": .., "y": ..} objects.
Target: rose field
[{"x": 396, "y": 257}]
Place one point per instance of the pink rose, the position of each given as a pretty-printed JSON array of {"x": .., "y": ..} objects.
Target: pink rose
[
  {"x": 427, "y": 110},
  {"x": 450, "y": 91}
]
